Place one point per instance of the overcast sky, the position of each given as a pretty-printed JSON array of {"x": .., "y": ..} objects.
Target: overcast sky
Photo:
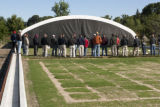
[{"x": 27, "y": 8}]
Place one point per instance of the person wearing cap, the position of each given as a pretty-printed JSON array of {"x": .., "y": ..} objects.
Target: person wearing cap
[
  {"x": 19, "y": 41},
  {"x": 124, "y": 44},
  {"x": 45, "y": 44},
  {"x": 97, "y": 41},
  {"x": 113, "y": 43},
  {"x": 71, "y": 44},
  {"x": 36, "y": 43},
  {"x": 14, "y": 41},
  {"x": 26, "y": 44},
  {"x": 136, "y": 46},
  {"x": 54, "y": 45}
]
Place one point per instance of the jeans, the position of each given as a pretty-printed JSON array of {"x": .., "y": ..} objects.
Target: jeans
[
  {"x": 26, "y": 49},
  {"x": 76, "y": 47},
  {"x": 144, "y": 49},
  {"x": 85, "y": 51},
  {"x": 35, "y": 50},
  {"x": 153, "y": 49},
  {"x": 54, "y": 51},
  {"x": 159, "y": 48},
  {"x": 92, "y": 53},
  {"x": 104, "y": 48},
  {"x": 19, "y": 46},
  {"x": 63, "y": 50},
  {"x": 97, "y": 50},
  {"x": 14, "y": 47}
]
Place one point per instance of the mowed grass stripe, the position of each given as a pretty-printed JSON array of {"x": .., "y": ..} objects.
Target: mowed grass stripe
[{"x": 44, "y": 89}]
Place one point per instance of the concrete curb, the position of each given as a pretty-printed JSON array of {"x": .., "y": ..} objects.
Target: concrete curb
[
  {"x": 14, "y": 94},
  {"x": 22, "y": 92}
]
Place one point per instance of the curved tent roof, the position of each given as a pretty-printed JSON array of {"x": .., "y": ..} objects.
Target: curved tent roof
[{"x": 79, "y": 24}]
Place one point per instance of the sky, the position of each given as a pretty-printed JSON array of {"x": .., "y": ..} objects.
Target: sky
[{"x": 28, "y": 8}]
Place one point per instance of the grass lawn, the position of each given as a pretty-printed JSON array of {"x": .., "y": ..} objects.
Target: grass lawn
[{"x": 97, "y": 82}]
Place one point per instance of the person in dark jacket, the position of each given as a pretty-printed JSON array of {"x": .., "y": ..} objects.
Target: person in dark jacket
[
  {"x": 104, "y": 45},
  {"x": 45, "y": 45},
  {"x": 54, "y": 44},
  {"x": 159, "y": 43},
  {"x": 72, "y": 43},
  {"x": 92, "y": 44},
  {"x": 153, "y": 45},
  {"x": 14, "y": 41},
  {"x": 124, "y": 44},
  {"x": 81, "y": 45},
  {"x": 113, "y": 43},
  {"x": 36, "y": 43},
  {"x": 62, "y": 45},
  {"x": 19, "y": 41},
  {"x": 136, "y": 46}
]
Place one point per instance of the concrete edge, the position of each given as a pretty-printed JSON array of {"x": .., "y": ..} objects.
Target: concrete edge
[
  {"x": 9, "y": 83},
  {"x": 22, "y": 92}
]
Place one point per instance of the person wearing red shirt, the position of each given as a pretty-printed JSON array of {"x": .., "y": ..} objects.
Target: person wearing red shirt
[{"x": 86, "y": 43}]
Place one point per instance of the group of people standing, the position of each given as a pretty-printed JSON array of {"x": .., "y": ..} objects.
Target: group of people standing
[
  {"x": 19, "y": 42},
  {"x": 59, "y": 45},
  {"x": 80, "y": 44}
]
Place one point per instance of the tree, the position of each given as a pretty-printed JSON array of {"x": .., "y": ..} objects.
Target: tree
[
  {"x": 61, "y": 8},
  {"x": 138, "y": 14},
  {"x": 15, "y": 23},
  {"x": 3, "y": 28},
  {"x": 34, "y": 19},
  {"x": 117, "y": 19},
  {"x": 45, "y": 18},
  {"x": 151, "y": 24},
  {"x": 108, "y": 17},
  {"x": 150, "y": 9}
]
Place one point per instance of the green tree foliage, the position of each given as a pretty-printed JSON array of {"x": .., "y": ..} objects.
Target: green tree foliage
[
  {"x": 61, "y": 8},
  {"x": 117, "y": 19},
  {"x": 35, "y": 19},
  {"x": 108, "y": 17},
  {"x": 152, "y": 25},
  {"x": 151, "y": 9},
  {"x": 3, "y": 28},
  {"x": 45, "y": 18},
  {"x": 147, "y": 22},
  {"x": 15, "y": 23}
]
